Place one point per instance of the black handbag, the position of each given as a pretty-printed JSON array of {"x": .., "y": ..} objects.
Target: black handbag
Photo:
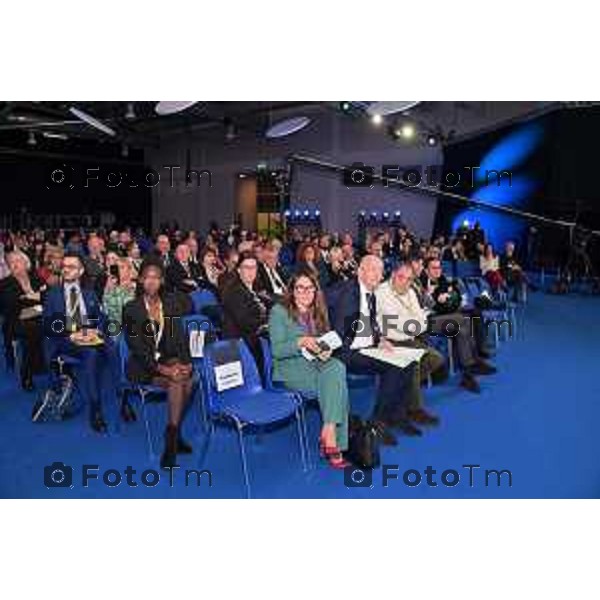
[{"x": 363, "y": 444}]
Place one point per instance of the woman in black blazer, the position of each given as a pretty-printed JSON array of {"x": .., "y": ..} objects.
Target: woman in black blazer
[
  {"x": 159, "y": 351},
  {"x": 245, "y": 309},
  {"x": 20, "y": 303}
]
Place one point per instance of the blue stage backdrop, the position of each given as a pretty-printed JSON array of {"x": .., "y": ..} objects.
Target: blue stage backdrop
[{"x": 519, "y": 150}]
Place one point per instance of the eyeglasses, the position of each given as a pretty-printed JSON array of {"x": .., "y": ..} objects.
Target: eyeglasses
[{"x": 304, "y": 288}]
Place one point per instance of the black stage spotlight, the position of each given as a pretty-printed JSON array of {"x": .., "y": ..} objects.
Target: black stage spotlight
[{"x": 432, "y": 140}]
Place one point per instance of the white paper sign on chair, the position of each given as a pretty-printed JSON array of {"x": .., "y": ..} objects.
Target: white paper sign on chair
[
  {"x": 197, "y": 343},
  {"x": 228, "y": 376}
]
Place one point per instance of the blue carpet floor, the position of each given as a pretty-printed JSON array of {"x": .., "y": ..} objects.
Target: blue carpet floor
[{"x": 538, "y": 418}]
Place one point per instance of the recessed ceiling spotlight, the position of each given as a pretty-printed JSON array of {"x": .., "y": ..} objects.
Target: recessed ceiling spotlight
[
  {"x": 377, "y": 119},
  {"x": 407, "y": 131}
]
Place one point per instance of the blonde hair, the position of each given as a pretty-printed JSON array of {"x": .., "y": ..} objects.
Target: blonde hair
[{"x": 21, "y": 256}]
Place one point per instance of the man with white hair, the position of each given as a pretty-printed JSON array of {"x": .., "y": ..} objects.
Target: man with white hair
[
  {"x": 404, "y": 323},
  {"x": 355, "y": 320}
]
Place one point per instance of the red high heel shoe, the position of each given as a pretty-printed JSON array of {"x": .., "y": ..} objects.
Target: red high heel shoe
[{"x": 333, "y": 455}]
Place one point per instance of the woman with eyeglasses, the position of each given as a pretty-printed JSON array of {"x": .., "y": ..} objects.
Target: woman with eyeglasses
[{"x": 294, "y": 325}]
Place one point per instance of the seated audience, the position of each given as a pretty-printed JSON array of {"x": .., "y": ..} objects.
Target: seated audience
[
  {"x": 245, "y": 311},
  {"x": 404, "y": 323},
  {"x": 180, "y": 276},
  {"x": 74, "y": 320},
  {"x": 163, "y": 357},
  {"x": 511, "y": 270},
  {"x": 296, "y": 324},
  {"x": 229, "y": 274},
  {"x": 308, "y": 260},
  {"x": 21, "y": 305},
  {"x": 448, "y": 320},
  {"x": 271, "y": 275},
  {"x": 489, "y": 264},
  {"x": 119, "y": 290},
  {"x": 209, "y": 269},
  {"x": 162, "y": 250},
  {"x": 355, "y": 320}
]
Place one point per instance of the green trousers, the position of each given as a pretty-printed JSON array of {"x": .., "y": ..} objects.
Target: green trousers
[{"x": 325, "y": 379}]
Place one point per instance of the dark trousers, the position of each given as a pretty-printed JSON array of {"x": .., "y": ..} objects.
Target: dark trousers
[
  {"x": 90, "y": 369},
  {"x": 392, "y": 398},
  {"x": 459, "y": 328}
]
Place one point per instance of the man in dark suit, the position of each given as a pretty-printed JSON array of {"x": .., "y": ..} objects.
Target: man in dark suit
[
  {"x": 450, "y": 319},
  {"x": 355, "y": 320},
  {"x": 180, "y": 277},
  {"x": 271, "y": 276},
  {"x": 162, "y": 250},
  {"x": 73, "y": 318}
]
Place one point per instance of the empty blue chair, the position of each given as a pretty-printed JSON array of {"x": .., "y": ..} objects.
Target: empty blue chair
[{"x": 248, "y": 405}]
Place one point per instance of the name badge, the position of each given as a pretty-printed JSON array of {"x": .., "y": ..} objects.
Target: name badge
[{"x": 229, "y": 376}]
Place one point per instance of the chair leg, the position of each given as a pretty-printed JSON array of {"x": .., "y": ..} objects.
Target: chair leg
[
  {"x": 149, "y": 441},
  {"x": 451, "y": 356},
  {"x": 301, "y": 438},
  {"x": 207, "y": 441},
  {"x": 240, "y": 431}
]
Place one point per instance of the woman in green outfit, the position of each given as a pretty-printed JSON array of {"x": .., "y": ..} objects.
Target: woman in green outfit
[{"x": 296, "y": 324}]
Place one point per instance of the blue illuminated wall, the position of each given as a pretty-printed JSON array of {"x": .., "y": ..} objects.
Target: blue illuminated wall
[{"x": 518, "y": 150}]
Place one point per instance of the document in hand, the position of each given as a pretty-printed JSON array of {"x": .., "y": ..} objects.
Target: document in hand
[
  {"x": 399, "y": 357},
  {"x": 328, "y": 341}
]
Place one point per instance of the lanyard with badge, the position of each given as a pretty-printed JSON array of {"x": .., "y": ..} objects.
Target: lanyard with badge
[{"x": 156, "y": 332}]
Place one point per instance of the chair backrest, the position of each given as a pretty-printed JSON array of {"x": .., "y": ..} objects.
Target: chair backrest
[
  {"x": 202, "y": 298},
  {"x": 467, "y": 269},
  {"x": 198, "y": 322},
  {"x": 213, "y": 356},
  {"x": 449, "y": 268}
]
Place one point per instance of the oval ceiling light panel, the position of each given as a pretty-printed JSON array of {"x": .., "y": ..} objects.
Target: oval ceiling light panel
[
  {"x": 170, "y": 107},
  {"x": 287, "y": 127},
  {"x": 390, "y": 108}
]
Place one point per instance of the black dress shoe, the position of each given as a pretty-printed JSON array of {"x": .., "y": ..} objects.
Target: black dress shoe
[
  {"x": 483, "y": 368},
  {"x": 470, "y": 383},
  {"x": 407, "y": 428},
  {"x": 422, "y": 417},
  {"x": 183, "y": 447},
  {"x": 385, "y": 435},
  {"x": 98, "y": 423},
  {"x": 27, "y": 383},
  {"x": 485, "y": 354},
  {"x": 127, "y": 413}
]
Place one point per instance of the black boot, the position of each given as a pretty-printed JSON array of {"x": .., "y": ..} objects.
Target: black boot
[
  {"x": 169, "y": 455},
  {"x": 183, "y": 447}
]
